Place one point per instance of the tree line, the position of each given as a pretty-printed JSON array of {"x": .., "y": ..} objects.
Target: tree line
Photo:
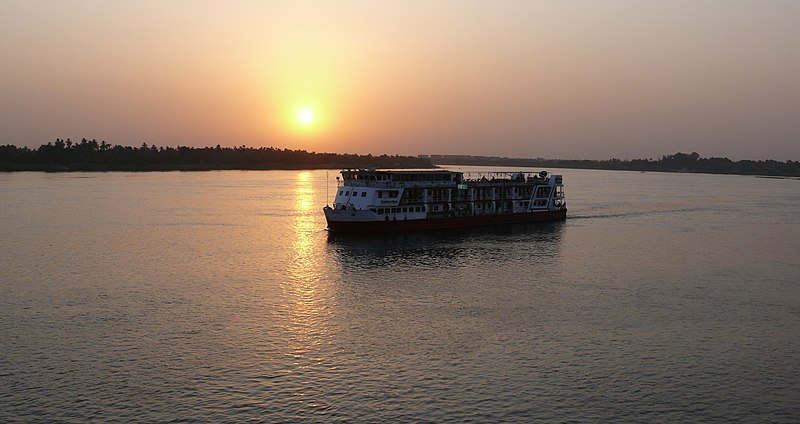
[
  {"x": 90, "y": 155},
  {"x": 679, "y": 162}
]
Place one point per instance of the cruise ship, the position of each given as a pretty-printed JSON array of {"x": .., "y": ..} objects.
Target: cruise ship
[{"x": 369, "y": 200}]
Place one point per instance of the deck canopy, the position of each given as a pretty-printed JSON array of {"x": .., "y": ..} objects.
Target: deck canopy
[{"x": 403, "y": 176}]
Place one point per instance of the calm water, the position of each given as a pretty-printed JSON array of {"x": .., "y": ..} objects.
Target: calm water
[{"x": 219, "y": 296}]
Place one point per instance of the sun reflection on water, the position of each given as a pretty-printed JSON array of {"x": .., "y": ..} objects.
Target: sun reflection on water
[
  {"x": 304, "y": 194},
  {"x": 306, "y": 298}
]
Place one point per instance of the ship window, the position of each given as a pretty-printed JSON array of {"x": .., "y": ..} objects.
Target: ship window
[
  {"x": 380, "y": 194},
  {"x": 405, "y": 209},
  {"x": 393, "y": 193},
  {"x": 363, "y": 194},
  {"x": 341, "y": 192},
  {"x": 355, "y": 193},
  {"x": 435, "y": 208},
  {"x": 347, "y": 193}
]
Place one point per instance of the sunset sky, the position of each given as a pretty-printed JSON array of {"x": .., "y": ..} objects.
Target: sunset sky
[{"x": 555, "y": 79}]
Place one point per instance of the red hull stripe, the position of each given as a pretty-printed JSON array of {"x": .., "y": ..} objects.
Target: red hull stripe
[{"x": 439, "y": 223}]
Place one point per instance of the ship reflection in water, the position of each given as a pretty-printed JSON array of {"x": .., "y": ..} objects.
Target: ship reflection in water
[
  {"x": 531, "y": 244},
  {"x": 440, "y": 311}
]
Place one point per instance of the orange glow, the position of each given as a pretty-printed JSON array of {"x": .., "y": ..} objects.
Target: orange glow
[
  {"x": 308, "y": 88},
  {"x": 526, "y": 79}
]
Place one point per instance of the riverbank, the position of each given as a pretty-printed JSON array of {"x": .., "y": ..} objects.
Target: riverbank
[
  {"x": 679, "y": 162},
  {"x": 91, "y": 156},
  {"x": 88, "y": 167}
]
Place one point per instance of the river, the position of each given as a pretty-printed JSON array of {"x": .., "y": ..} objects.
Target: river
[{"x": 220, "y": 296}]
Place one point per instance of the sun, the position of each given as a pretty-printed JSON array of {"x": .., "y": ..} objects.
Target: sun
[
  {"x": 306, "y": 119},
  {"x": 305, "y": 116}
]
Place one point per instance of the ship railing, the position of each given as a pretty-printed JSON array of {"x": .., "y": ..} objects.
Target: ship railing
[
  {"x": 398, "y": 184},
  {"x": 504, "y": 175},
  {"x": 507, "y": 183}
]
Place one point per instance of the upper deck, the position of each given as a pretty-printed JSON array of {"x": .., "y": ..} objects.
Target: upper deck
[
  {"x": 435, "y": 178},
  {"x": 375, "y": 178}
]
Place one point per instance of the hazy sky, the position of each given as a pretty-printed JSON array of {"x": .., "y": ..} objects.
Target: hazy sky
[{"x": 556, "y": 79}]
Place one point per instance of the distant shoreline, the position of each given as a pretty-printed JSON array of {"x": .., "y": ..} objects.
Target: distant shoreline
[
  {"x": 6, "y": 167},
  {"x": 83, "y": 167},
  {"x": 777, "y": 177},
  {"x": 679, "y": 162},
  {"x": 91, "y": 156}
]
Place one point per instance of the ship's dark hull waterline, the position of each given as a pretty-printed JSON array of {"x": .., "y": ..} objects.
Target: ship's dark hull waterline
[{"x": 443, "y": 223}]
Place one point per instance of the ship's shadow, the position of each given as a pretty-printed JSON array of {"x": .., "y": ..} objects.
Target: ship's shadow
[{"x": 445, "y": 248}]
